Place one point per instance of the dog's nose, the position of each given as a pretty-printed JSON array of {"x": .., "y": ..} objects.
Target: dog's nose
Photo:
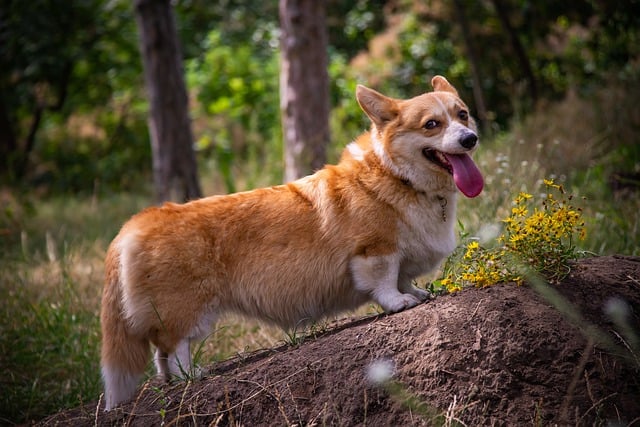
[{"x": 469, "y": 140}]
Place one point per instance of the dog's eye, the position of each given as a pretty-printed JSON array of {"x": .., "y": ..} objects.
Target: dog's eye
[
  {"x": 431, "y": 124},
  {"x": 463, "y": 115}
]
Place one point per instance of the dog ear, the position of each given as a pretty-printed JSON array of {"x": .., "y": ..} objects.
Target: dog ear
[
  {"x": 440, "y": 84},
  {"x": 378, "y": 107}
]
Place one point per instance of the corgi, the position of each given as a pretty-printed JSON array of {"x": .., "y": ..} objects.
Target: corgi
[{"x": 354, "y": 232}]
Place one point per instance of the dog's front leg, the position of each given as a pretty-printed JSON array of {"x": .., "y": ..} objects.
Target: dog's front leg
[
  {"x": 377, "y": 276},
  {"x": 406, "y": 286}
]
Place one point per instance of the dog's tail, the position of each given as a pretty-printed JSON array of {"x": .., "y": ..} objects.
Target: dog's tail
[{"x": 124, "y": 355}]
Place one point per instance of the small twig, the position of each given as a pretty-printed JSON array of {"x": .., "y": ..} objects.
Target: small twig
[
  {"x": 95, "y": 420},
  {"x": 276, "y": 395},
  {"x": 631, "y": 279},
  {"x": 588, "y": 384},
  {"x": 595, "y": 405},
  {"x": 476, "y": 309},
  {"x": 184, "y": 393},
  {"x": 260, "y": 385},
  {"x": 133, "y": 409},
  {"x": 312, "y": 421},
  {"x": 633, "y": 421},
  {"x": 626, "y": 345},
  {"x": 564, "y": 408}
]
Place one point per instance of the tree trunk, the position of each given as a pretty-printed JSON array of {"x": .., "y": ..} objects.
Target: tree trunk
[
  {"x": 174, "y": 162},
  {"x": 15, "y": 153},
  {"x": 474, "y": 63},
  {"x": 304, "y": 86},
  {"x": 8, "y": 144},
  {"x": 518, "y": 48}
]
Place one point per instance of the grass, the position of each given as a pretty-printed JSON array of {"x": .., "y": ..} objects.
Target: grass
[
  {"x": 51, "y": 279},
  {"x": 51, "y": 251}
]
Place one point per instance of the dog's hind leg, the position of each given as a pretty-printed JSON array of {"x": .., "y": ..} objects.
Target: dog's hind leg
[
  {"x": 161, "y": 360},
  {"x": 180, "y": 360},
  {"x": 176, "y": 364}
]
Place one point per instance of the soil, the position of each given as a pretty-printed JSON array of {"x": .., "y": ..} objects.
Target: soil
[{"x": 496, "y": 356}]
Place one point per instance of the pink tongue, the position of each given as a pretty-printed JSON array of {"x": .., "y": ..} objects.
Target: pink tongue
[{"x": 465, "y": 174}]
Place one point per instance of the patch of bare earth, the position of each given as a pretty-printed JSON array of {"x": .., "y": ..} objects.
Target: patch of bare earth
[{"x": 496, "y": 356}]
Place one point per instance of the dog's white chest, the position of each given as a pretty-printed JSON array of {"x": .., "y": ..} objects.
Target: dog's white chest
[{"x": 427, "y": 232}]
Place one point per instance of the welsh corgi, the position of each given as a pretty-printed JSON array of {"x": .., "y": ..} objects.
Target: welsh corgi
[{"x": 350, "y": 233}]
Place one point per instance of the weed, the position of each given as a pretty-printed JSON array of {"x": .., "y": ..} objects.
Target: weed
[
  {"x": 543, "y": 238},
  {"x": 162, "y": 400},
  {"x": 294, "y": 337},
  {"x": 303, "y": 331}
]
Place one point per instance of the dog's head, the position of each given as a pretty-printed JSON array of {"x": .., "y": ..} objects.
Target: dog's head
[{"x": 425, "y": 139}]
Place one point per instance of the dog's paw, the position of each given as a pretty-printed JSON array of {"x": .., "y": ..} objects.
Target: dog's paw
[
  {"x": 421, "y": 294},
  {"x": 399, "y": 303}
]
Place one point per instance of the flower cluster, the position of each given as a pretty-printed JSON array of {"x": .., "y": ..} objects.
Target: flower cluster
[{"x": 538, "y": 238}]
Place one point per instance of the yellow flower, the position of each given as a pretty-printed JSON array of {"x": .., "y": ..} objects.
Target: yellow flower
[
  {"x": 509, "y": 221},
  {"x": 541, "y": 236},
  {"x": 519, "y": 211},
  {"x": 515, "y": 238},
  {"x": 522, "y": 197},
  {"x": 472, "y": 247},
  {"x": 454, "y": 287},
  {"x": 468, "y": 277}
]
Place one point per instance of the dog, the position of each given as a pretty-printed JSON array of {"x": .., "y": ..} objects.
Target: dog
[{"x": 350, "y": 233}]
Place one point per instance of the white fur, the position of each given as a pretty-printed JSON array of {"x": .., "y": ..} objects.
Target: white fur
[
  {"x": 379, "y": 150},
  {"x": 176, "y": 364},
  {"x": 451, "y": 139},
  {"x": 378, "y": 276},
  {"x": 135, "y": 310},
  {"x": 356, "y": 151},
  {"x": 118, "y": 385}
]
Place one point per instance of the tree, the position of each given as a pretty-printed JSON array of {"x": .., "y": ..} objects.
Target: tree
[
  {"x": 518, "y": 48},
  {"x": 474, "y": 63},
  {"x": 304, "y": 86},
  {"x": 174, "y": 162},
  {"x": 36, "y": 72}
]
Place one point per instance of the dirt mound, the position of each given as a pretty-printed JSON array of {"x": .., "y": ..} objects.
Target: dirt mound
[{"x": 496, "y": 356}]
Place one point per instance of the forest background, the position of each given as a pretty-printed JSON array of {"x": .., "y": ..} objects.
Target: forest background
[{"x": 555, "y": 86}]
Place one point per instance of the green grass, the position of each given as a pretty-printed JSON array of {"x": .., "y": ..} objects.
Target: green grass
[
  {"x": 49, "y": 350},
  {"x": 51, "y": 272},
  {"x": 51, "y": 279},
  {"x": 52, "y": 250}
]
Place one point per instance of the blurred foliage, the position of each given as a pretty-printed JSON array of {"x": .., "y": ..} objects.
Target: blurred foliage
[
  {"x": 72, "y": 63},
  {"x": 73, "y": 108},
  {"x": 236, "y": 116}
]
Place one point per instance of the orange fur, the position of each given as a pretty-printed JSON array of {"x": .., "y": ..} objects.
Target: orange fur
[{"x": 287, "y": 254}]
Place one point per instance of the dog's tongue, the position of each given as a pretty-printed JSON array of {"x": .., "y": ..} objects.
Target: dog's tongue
[{"x": 466, "y": 174}]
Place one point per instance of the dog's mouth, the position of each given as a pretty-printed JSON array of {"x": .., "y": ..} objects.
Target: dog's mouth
[
  {"x": 438, "y": 158},
  {"x": 465, "y": 173}
]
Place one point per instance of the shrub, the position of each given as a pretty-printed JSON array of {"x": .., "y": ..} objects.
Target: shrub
[{"x": 541, "y": 238}]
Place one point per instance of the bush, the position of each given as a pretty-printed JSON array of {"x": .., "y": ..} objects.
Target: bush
[{"x": 541, "y": 238}]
